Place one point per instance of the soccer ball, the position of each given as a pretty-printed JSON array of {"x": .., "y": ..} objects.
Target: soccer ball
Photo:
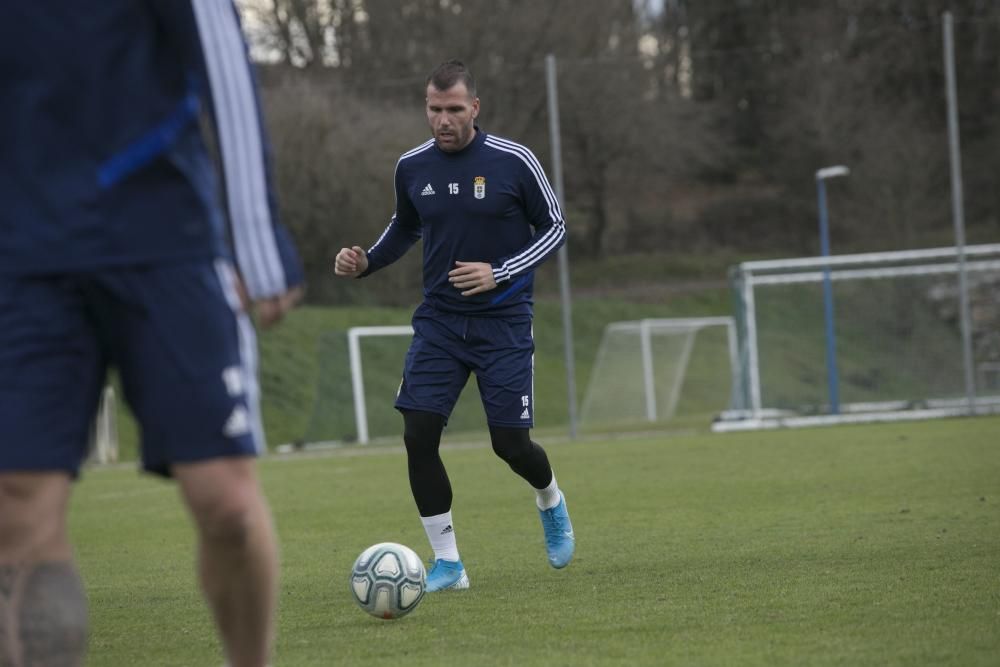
[{"x": 388, "y": 580}]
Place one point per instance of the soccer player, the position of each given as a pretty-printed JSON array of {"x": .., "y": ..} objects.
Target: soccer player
[
  {"x": 113, "y": 250},
  {"x": 488, "y": 218}
]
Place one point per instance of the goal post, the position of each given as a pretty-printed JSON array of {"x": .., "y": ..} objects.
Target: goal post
[
  {"x": 644, "y": 369},
  {"x": 104, "y": 430},
  {"x": 354, "y": 336},
  {"x": 354, "y": 403},
  {"x": 898, "y": 344}
]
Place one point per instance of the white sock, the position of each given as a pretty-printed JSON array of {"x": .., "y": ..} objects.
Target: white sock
[
  {"x": 441, "y": 534},
  {"x": 548, "y": 497}
]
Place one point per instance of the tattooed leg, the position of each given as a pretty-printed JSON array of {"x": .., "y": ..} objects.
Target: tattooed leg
[{"x": 43, "y": 615}]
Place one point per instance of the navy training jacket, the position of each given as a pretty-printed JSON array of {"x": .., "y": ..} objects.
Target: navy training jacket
[
  {"x": 489, "y": 202},
  {"x": 102, "y": 158}
]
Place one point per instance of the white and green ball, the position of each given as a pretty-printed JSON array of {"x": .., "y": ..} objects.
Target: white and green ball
[{"x": 388, "y": 580}]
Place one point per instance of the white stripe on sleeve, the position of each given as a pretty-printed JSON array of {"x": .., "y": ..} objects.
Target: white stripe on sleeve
[
  {"x": 531, "y": 161},
  {"x": 541, "y": 246},
  {"x": 241, "y": 145}
]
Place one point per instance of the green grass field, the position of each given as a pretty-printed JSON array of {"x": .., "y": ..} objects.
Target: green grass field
[{"x": 854, "y": 545}]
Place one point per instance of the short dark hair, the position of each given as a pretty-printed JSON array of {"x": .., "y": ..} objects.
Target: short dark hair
[{"x": 450, "y": 72}]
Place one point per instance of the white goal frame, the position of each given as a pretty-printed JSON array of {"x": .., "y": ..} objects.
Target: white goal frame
[
  {"x": 104, "y": 431},
  {"x": 932, "y": 261},
  {"x": 646, "y": 327},
  {"x": 354, "y": 336}
]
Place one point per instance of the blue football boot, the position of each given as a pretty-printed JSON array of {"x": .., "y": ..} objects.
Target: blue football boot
[
  {"x": 447, "y": 575},
  {"x": 560, "y": 543}
]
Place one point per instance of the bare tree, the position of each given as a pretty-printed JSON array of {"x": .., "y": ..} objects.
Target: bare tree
[
  {"x": 686, "y": 123},
  {"x": 334, "y": 164}
]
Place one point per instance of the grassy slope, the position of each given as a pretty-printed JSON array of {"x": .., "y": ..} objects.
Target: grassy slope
[
  {"x": 329, "y": 420},
  {"x": 305, "y": 374},
  {"x": 871, "y": 545},
  {"x": 890, "y": 344},
  {"x": 307, "y": 390}
]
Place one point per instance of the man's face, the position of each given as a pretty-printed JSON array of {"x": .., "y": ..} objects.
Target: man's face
[{"x": 451, "y": 114}]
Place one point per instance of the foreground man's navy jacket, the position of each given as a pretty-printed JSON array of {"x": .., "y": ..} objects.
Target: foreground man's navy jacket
[{"x": 102, "y": 158}]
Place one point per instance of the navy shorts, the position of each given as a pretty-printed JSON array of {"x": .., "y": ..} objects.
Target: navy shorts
[
  {"x": 184, "y": 350},
  {"x": 447, "y": 347}
]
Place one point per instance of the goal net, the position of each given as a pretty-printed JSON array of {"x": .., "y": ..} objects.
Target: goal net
[
  {"x": 892, "y": 348},
  {"x": 651, "y": 371}
]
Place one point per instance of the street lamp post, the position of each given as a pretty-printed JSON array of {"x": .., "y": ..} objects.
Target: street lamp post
[{"x": 824, "y": 242}]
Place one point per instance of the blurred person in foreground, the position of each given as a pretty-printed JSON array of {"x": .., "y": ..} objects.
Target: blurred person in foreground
[
  {"x": 114, "y": 251},
  {"x": 488, "y": 218}
]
